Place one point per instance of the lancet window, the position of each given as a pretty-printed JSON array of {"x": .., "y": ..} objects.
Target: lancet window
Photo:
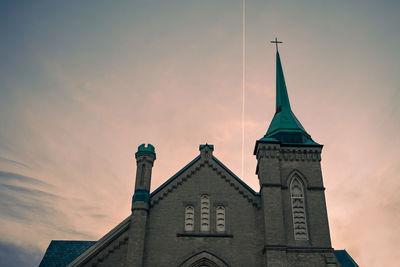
[
  {"x": 204, "y": 213},
  {"x": 220, "y": 215},
  {"x": 298, "y": 209},
  {"x": 189, "y": 218}
]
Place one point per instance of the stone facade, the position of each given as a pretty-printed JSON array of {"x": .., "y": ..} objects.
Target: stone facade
[{"x": 258, "y": 228}]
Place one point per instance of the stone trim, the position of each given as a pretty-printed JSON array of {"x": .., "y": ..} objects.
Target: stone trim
[
  {"x": 233, "y": 183},
  {"x": 220, "y": 203},
  {"x": 204, "y": 258},
  {"x": 309, "y": 249},
  {"x": 105, "y": 253},
  {"x": 203, "y": 235},
  {"x": 297, "y": 249},
  {"x": 289, "y": 154},
  {"x": 316, "y": 188},
  {"x": 220, "y": 173},
  {"x": 105, "y": 241},
  {"x": 175, "y": 184},
  {"x": 296, "y": 173},
  {"x": 189, "y": 203}
]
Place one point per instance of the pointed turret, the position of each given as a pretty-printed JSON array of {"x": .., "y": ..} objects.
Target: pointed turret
[{"x": 285, "y": 127}]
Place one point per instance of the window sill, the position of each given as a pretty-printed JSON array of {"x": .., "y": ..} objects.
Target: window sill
[{"x": 204, "y": 235}]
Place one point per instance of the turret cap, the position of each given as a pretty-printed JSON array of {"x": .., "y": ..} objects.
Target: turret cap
[{"x": 144, "y": 150}]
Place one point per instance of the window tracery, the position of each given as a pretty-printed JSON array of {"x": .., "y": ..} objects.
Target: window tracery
[
  {"x": 204, "y": 213},
  {"x": 220, "y": 219},
  {"x": 205, "y": 217},
  {"x": 298, "y": 209},
  {"x": 189, "y": 218}
]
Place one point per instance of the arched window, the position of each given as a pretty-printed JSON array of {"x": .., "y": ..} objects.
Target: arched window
[
  {"x": 220, "y": 212},
  {"x": 189, "y": 218},
  {"x": 298, "y": 209},
  {"x": 204, "y": 213},
  {"x": 204, "y": 259}
]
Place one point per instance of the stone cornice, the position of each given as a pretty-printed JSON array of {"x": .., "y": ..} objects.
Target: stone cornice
[
  {"x": 311, "y": 188},
  {"x": 274, "y": 151},
  {"x": 297, "y": 248}
]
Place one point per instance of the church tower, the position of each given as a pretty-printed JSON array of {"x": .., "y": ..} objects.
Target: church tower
[{"x": 296, "y": 226}]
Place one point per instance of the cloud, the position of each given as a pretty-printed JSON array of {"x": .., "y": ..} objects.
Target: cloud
[
  {"x": 20, "y": 202},
  {"x": 14, "y": 162},
  {"x": 28, "y": 191},
  {"x": 15, "y": 256},
  {"x": 15, "y": 177},
  {"x": 27, "y": 203}
]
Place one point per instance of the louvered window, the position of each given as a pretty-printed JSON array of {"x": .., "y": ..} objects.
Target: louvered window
[
  {"x": 204, "y": 213},
  {"x": 298, "y": 209},
  {"x": 220, "y": 215},
  {"x": 189, "y": 218}
]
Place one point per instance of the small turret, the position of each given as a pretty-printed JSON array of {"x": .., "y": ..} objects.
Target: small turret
[{"x": 145, "y": 157}]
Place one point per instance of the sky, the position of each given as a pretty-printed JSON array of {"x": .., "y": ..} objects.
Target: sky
[{"x": 84, "y": 83}]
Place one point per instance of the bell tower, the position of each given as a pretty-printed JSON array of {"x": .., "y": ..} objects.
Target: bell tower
[{"x": 291, "y": 188}]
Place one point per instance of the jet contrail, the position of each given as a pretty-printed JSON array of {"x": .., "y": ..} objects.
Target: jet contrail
[{"x": 243, "y": 74}]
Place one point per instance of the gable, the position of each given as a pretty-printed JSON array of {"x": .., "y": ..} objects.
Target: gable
[
  {"x": 220, "y": 171},
  {"x": 204, "y": 207}
]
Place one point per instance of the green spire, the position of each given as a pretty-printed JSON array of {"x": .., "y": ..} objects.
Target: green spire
[
  {"x": 282, "y": 98},
  {"x": 285, "y": 127}
]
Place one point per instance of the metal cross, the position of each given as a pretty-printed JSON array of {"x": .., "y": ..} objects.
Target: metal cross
[{"x": 276, "y": 42}]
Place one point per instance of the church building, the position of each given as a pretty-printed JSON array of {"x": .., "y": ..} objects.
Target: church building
[{"x": 205, "y": 215}]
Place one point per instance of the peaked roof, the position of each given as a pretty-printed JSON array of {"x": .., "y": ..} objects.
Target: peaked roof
[
  {"x": 345, "y": 259},
  {"x": 62, "y": 252},
  {"x": 166, "y": 183},
  {"x": 285, "y": 127},
  {"x": 205, "y": 159}
]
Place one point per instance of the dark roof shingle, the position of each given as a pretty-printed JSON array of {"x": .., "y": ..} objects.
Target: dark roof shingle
[{"x": 61, "y": 252}]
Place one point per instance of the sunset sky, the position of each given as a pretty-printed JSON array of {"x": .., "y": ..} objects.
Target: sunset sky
[{"x": 83, "y": 83}]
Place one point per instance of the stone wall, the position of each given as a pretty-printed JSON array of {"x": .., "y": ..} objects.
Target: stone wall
[{"x": 167, "y": 244}]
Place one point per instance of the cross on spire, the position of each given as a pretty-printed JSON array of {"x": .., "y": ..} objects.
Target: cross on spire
[{"x": 276, "y": 42}]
